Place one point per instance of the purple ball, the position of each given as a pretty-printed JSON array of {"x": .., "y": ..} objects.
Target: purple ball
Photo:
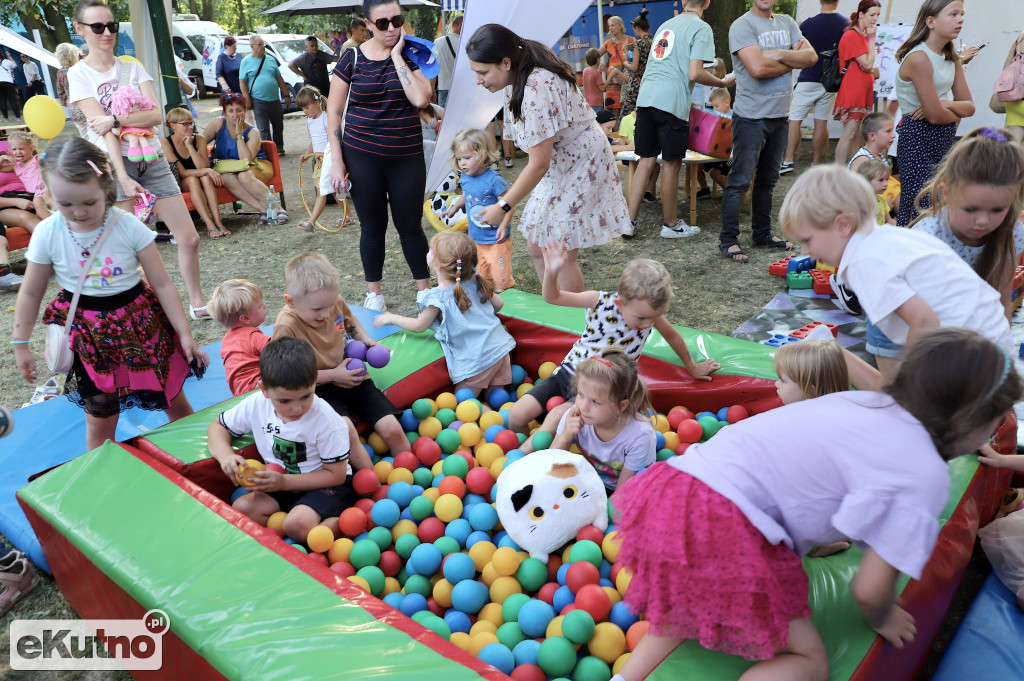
[
  {"x": 378, "y": 356},
  {"x": 357, "y": 365},
  {"x": 455, "y": 425},
  {"x": 356, "y": 350}
]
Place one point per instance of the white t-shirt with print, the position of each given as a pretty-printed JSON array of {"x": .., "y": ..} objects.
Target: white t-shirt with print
[
  {"x": 938, "y": 227},
  {"x": 633, "y": 449},
  {"x": 113, "y": 269},
  {"x": 84, "y": 82},
  {"x": 302, "y": 446}
]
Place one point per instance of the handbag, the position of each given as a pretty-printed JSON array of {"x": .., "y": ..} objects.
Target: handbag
[
  {"x": 831, "y": 74},
  {"x": 232, "y": 166},
  {"x": 58, "y": 354},
  {"x": 996, "y": 106},
  {"x": 1009, "y": 85}
]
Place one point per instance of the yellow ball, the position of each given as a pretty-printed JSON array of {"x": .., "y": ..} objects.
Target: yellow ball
[
  {"x": 245, "y": 473},
  {"x": 44, "y": 116},
  {"x": 506, "y": 561},
  {"x": 503, "y": 587},
  {"x": 622, "y": 580},
  {"x": 340, "y": 550},
  {"x": 497, "y": 467},
  {"x": 575, "y": 449},
  {"x": 430, "y": 427},
  {"x": 482, "y": 626},
  {"x": 478, "y": 641},
  {"x": 469, "y": 434},
  {"x": 443, "y": 593},
  {"x": 435, "y": 470},
  {"x": 661, "y": 423},
  {"x": 611, "y": 545},
  {"x": 446, "y": 401},
  {"x": 507, "y": 405},
  {"x": 489, "y": 574},
  {"x": 608, "y": 642},
  {"x": 276, "y": 522},
  {"x": 403, "y": 526},
  {"x": 523, "y": 389},
  {"x": 613, "y": 595},
  {"x": 467, "y": 412},
  {"x": 320, "y": 539},
  {"x": 383, "y": 470},
  {"x": 448, "y": 507},
  {"x": 546, "y": 369},
  {"x": 491, "y": 612},
  {"x": 619, "y": 661},
  {"x": 403, "y": 474},
  {"x": 565, "y": 553},
  {"x": 487, "y": 453},
  {"x": 671, "y": 440},
  {"x": 360, "y": 582},
  {"x": 481, "y": 553},
  {"x": 391, "y": 586},
  {"x": 491, "y": 418},
  {"x": 433, "y": 494},
  {"x": 377, "y": 443},
  {"x": 460, "y": 639},
  {"x": 554, "y": 627}
]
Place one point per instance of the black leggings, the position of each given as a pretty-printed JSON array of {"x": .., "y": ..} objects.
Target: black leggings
[
  {"x": 376, "y": 182},
  {"x": 9, "y": 94}
]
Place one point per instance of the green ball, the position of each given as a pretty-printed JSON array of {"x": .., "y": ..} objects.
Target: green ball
[
  {"x": 445, "y": 416},
  {"x": 447, "y": 545},
  {"x": 402, "y": 576},
  {"x": 374, "y": 576},
  {"x": 300, "y": 547},
  {"x": 510, "y": 608},
  {"x": 578, "y": 626},
  {"x": 411, "y": 436},
  {"x": 364, "y": 552},
  {"x": 588, "y": 551},
  {"x": 455, "y": 465},
  {"x": 381, "y": 536},
  {"x": 434, "y": 623},
  {"x": 420, "y": 508},
  {"x": 448, "y": 440},
  {"x": 522, "y": 437},
  {"x": 556, "y": 656},
  {"x": 418, "y": 584},
  {"x": 664, "y": 454},
  {"x": 591, "y": 668},
  {"x": 542, "y": 440},
  {"x": 422, "y": 477},
  {"x": 532, "y": 575},
  {"x": 710, "y": 425},
  {"x": 509, "y": 634},
  {"x": 422, "y": 408},
  {"x": 405, "y": 544}
]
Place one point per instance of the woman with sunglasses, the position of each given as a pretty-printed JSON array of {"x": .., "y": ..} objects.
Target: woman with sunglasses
[
  {"x": 91, "y": 84},
  {"x": 382, "y": 147},
  {"x": 186, "y": 153},
  {"x": 576, "y": 199}
]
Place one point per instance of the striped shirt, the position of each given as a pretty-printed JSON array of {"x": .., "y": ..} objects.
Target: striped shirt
[{"x": 380, "y": 120}]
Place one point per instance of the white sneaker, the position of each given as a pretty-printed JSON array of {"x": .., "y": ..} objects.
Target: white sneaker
[
  {"x": 680, "y": 231},
  {"x": 46, "y": 391},
  {"x": 508, "y": 161},
  {"x": 11, "y": 282},
  {"x": 375, "y": 302}
]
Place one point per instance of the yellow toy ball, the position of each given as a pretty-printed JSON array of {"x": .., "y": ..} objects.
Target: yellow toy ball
[
  {"x": 400, "y": 474},
  {"x": 430, "y": 427},
  {"x": 44, "y": 116},
  {"x": 320, "y": 539},
  {"x": 489, "y": 574},
  {"x": 461, "y": 639},
  {"x": 433, "y": 494},
  {"x": 442, "y": 593},
  {"x": 478, "y": 641},
  {"x": 360, "y": 582},
  {"x": 491, "y": 612},
  {"x": 491, "y": 418},
  {"x": 488, "y": 452},
  {"x": 661, "y": 423},
  {"x": 436, "y": 469},
  {"x": 481, "y": 553},
  {"x": 554, "y": 627},
  {"x": 377, "y": 443},
  {"x": 469, "y": 434},
  {"x": 446, "y": 401},
  {"x": 613, "y": 595},
  {"x": 619, "y": 661},
  {"x": 383, "y": 470},
  {"x": 608, "y": 642},
  {"x": 244, "y": 476},
  {"x": 467, "y": 412},
  {"x": 671, "y": 440},
  {"x": 503, "y": 587},
  {"x": 506, "y": 561},
  {"x": 403, "y": 526},
  {"x": 391, "y": 586},
  {"x": 497, "y": 467},
  {"x": 622, "y": 580},
  {"x": 482, "y": 626},
  {"x": 611, "y": 545},
  {"x": 546, "y": 369},
  {"x": 340, "y": 550},
  {"x": 276, "y": 522},
  {"x": 523, "y": 389},
  {"x": 448, "y": 507}
]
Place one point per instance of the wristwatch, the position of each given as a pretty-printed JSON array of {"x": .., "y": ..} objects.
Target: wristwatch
[
  {"x": 117, "y": 123},
  {"x": 505, "y": 205}
]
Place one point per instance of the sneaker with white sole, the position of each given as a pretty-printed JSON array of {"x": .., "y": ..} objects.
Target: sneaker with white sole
[
  {"x": 46, "y": 391},
  {"x": 375, "y": 302},
  {"x": 508, "y": 161},
  {"x": 11, "y": 282},
  {"x": 680, "y": 231},
  {"x": 786, "y": 168}
]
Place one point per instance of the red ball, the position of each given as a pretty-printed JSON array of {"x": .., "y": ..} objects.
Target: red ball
[
  {"x": 547, "y": 592},
  {"x": 430, "y": 530},
  {"x": 507, "y": 440},
  {"x": 690, "y": 431},
  {"x": 276, "y": 467},
  {"x": 318, "y": 558},
  {"x": 528, "y": 672},
  {"x": 554, "y": 562},
  {"x": 407, "y": 460},
  {"x": 381, "y": 493},
  {"x": 453, "y": 484},
  {"x": 590, "y": 532},
  {"x": 427, "y": 451},
  {"x": 594, "y": 600},
  {"x": 554, "y": 402},
  {"x": 616, "y": 567},
  {"x": 352, "y": 521},
  {"x": 343, "y": 569},
  {"x": 365, "y": 505},
  {"x": 365, "y": 482},
  {"x": 736, "y": 412},
  {"x": 435, "y": 607},
  {"x": 580, "y": 574},
  {"x": 468, "y": 457},
  {"x": 681, "y": 448},
  {"x": 390, "y": 563},
  {"x": 479, "y": 481},
  {"x": 677, "y": 415},
  {"x": 568, "y": 608}
]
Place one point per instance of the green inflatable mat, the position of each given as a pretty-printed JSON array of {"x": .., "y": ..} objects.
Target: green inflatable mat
[{"x": 246, "y": 610}]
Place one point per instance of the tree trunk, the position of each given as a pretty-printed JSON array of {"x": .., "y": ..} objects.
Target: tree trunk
[
  {"x": 54, "y": 17},
  {"x": 720, "y": 15},
  {"x": 243, "y": 16}
]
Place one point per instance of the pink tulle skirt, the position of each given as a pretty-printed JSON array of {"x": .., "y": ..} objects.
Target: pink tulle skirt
[{"x": 701, "y": 571}]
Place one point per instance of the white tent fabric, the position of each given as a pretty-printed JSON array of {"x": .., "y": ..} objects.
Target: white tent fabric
[
  {"x": 471, "y": 106},
  {"x": 19, "y": 43}
]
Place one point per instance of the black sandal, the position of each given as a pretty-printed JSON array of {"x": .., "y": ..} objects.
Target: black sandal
[
  {"x": 734, "y": 256},
  {"x": 774, "y": 242}
]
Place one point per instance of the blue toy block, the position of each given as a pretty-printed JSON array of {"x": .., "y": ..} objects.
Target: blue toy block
[{"x": 800, "y": 263}]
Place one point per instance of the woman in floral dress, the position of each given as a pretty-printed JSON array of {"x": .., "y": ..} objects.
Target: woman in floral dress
[
  {"x": 576, "y": 198},
  {"x": 636, "y": 62}
]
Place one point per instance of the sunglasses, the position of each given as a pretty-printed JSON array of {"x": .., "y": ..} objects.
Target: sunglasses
[
  {"x": 98, "y": 28},
  {"x": 233, "y": 95},
  {"x": 396, "y": 21}
]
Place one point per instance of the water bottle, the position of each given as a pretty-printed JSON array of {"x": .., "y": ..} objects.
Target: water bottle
[{"x": 271, "y": 204}]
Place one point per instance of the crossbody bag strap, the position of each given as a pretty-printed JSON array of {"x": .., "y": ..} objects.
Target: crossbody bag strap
[
  {"x": 82, "y": 277},
  {"x": 258, "y": 72},
  {"x": 450, "y": 48}
]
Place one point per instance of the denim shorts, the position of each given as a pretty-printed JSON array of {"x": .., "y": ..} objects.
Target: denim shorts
[
  {"x": 156, "y": 178},
  {"x": 879, "y": 344}
]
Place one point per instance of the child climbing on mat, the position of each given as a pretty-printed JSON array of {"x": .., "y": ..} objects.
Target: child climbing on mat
[
  {"x": 624, "y": 318},
  {"x": 316, "y": 312},
  {"x": 977, "y": 194},
  {"x": 461, "y": 312},
  {"x": 609, "y": 419},
  {"x": 742, "y": 505},
  {"x": 472, "y": 155},
  {"x": 296, "y": 430},
  {"x": 238, "y": 305},
  {"x": 24, "y": 161},
  {"x": 131, "y": 341},
  {"x": 907, "y": 282}
]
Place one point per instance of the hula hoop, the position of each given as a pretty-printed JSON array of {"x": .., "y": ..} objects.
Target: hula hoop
[{"x": 305, "y": 204}]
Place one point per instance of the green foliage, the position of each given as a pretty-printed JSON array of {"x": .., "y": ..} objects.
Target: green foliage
[{"x": 781, "y": 7}]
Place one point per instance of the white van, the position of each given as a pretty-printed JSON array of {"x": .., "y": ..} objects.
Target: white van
[{"x": 189, "y": 38}]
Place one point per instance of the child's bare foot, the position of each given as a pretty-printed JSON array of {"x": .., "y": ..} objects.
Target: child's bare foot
[{"x": 829, "y": 549}]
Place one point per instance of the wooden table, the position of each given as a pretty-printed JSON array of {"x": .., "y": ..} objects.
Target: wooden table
[{"x": 691, "y": 163}]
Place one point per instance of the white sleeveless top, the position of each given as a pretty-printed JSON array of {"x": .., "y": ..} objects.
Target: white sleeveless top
[{"x": 943, "y": 73}]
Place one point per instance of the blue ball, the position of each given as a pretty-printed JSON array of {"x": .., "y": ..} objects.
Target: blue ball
[
  {"x": 563, "y": 597},
  {"x": 406, "y": 514},
  {"x": 459, "y": 530},
  {"x": 409, "y": 421},
  {"x": 497, "y": 655},
  {"x": 525, "y": 652},
  {"x": 560, "y": 575},
  {"x": 606, "y": 582},
  {"x": 621, "y": 617},
  {"x": 361, "y": 536},
  {"x": 289, "y": 540},
  {"x": 507, "y": 541},
  {"x": 385, "y": 513},
  {"x": 369, "y": 451},
  {"x": 394, "y": 599},
  {"x": 412, "y": 604},
  {"x": 417, "y": 490},
  {"x": 534, "y": 617},
  {"x": 458, "y": 567},
  {"x": 721, "y": 413},
  {"x": 425, "y": 559},
  {"x": 471, "y": 499},
  {"x": 464, "y": 394},
  {"x": 498, "y": 397},
  {"x": 504, "y": 416},
  {"x": 659, "y": 441},
  {"x": 606, "y": 569},
  {"x": 401, "y": 493},
  {"x": 705, "y": 413},
  {"x": 492, "y": 431},
  {"x": 483, "y": 517},
  {"x": 437, "y": 480},
  {"x": 518, "y": 375},
  {"x": 469, "y": 596},
  {"x": 457, "y": 620},
  {"x": 239, "y": 493},
  {"x": 447, "y": 546},
  {"x": 475, "y": 537},
  {"x": 513, "y": 455}
]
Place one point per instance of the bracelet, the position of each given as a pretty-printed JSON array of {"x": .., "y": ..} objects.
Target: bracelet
[{"x": 20, "y": 342}]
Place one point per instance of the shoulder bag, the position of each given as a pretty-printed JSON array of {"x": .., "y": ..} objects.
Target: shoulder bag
[{"x": 1009, "y": 85}]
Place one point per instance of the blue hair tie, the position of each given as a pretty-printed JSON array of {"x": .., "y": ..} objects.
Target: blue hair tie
[{"x": 994, "y": 134}]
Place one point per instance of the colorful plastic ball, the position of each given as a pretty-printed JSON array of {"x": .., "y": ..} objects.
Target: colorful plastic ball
[
  {"x": 343, "y": 569},
  {"x": 385, "y": 513},
  {"x": 534, "y": 617},
  {"x": 447, "y": 441},
  {"x": 275, "y": 468},
  {"x": 547, "y": 592},
  {"x": 459, "y": 530},
  {"x": 374, "y": 577},
  {"x": 446, "y": 545},
  {"x": 581, "y": 573},
  {"x": 239, "y": 493},
  {"x": 594, "y": 600},
  {"x": 542, "y": 440},
  {"x": 356, "y": 349},
  {"x": 543, "y": 371},
  {"x": 458, "y": 567},
  {"x": 408, "y": 420},
  {"x": 430, "y": 530},
  {"x": 422, "y": 408},
  {"x": 607, "y": 643},
  {"x": 532, "y": 574},
  {"x": 276, "y": 521},
  {"x": 489, "y": 419},
  {"x": 681, "y": 449},
  {"x": 503, "y": 587},
  {"x": 522, "y": 389},
  {"x": 364, "y": 552},
  {"x": 677, "y": 415},
  {"x": 479, "y": 481},
  {"x": 591, "y": 668},
  {"x": 365, "y": 482},
  {"x": 458, "y": 621},
  {"x": 448, "y": 507},
  {"x": 356, "y": 365},
  {"x": 511, "y": 605},
  {"x": 721, "y": 413},
  {"x": 659, "y": 440},
  {"x": 420, "y": 508},
  {"x": 518, "y": 375},
  {"x": 510, "y": 635},
  {"x": 446, "y": 400},
  {"x": 506, "y": 561},
  {"x": 429, "y": 427},
  {"x": 462, "y": 640},
  {"x": 399, "y": 475},
  {"x": 340, "y": 550},
  {"x": 497, "y": 655},
  {"x": 468, "y": 411},
  {"x": 590, "y": 533},
  {"x": 483, "y": 517},
  {"x": 455, "y": 465},
  {"x": 381, "y": 536},
  {"x": 320, "y": 539},
  {"x": 578, "y": 626},
  {"x": 664, "y": 455},
  {"x": 553, "y": 403},
  {"x": 736, "y": 412},
  {"x": 401, "y": 493},
  {"x": 406, "y": 460},
  {"x": 383, "y": 470},
  {"x": 469, "y": 434},
  {"x": 497, "y": 397},
  {"x": 556, "y": 656},
  {"x": 432, "y": 621},
  {"x": 452, "y": 484},
  {"x": 246, "y": 473},
  {"x": 528, "y": 672},
  {"x": 412, "y": 604},
  {"x": 610, "y": 546},
  {"x": 506, "y": 439},
  {"x": 378, "y": 356},
  {"x": 481, "y": 552},
  {"x": 586, "y": 550},
  {"x": 464, "y": 394},
  {"x": 469, "y": 596},
  {"x": 621, "y": 616},
  {"x": 425, "y": 560},
  {"x": 352, "y": 521},
  {"x": 690, "y": 431},
  {"x": 710, "y": 425},
  {"x": 702, "y": 414}
]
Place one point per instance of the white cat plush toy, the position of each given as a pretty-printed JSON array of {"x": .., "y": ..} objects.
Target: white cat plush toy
[{"x": 545, "y": 498}]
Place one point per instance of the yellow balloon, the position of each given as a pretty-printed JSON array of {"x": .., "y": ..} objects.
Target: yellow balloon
[
  {"x": 128, "y": 57},
  {"x": 44, "y": 116}
]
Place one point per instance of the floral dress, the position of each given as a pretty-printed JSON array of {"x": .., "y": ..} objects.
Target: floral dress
[
  {"x": 631, "y": 89},
  {"x": 579, "y": 200},
  {"x": 77, "y": 117}
]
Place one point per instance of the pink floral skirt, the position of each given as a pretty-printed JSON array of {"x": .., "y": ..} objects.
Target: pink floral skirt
[{"x": 701, "y": 571}]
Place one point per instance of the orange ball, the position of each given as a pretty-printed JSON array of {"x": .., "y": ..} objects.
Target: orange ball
[
  {"x": 452, "y": 484},
  {"x": 636, "y": 632},
  {"x": 352, "y": 521}
]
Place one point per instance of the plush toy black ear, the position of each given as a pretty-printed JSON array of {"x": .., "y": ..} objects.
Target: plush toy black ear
[{"x": 521, "y": 497}]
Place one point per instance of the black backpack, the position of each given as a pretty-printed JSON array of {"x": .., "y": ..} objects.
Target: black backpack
[{"x": 831, "y": 74}]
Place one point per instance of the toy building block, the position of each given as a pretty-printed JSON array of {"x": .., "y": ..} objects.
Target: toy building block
[
  {"x": 799, "y": 280},
  {"x": 800, "y": 263},
  {"x": 822, "y": 285},
  {"x": 802, "y": 332},
  {"x": 780, "y": 268},
  {"x": 779, "y": 339},
  {"x": 825, "y": 267}
]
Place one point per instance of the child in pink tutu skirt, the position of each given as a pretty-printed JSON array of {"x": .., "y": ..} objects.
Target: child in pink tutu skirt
[{"x": 714, "y": 537}]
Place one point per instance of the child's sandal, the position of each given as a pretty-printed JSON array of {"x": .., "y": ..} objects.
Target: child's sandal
[
  {"x": 282, "y": 217},
  {"x": 306, "y": 226},
  {"x": 262, "y": 220},
  {"x": 16, "y": 581}
]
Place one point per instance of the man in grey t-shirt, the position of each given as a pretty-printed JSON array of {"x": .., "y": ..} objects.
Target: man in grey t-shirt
[
  {"x": 447, "y": 46},
  {"x": 766, "y": 47}
]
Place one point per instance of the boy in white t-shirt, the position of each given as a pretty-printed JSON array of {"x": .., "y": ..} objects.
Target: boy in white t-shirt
[{"x": 297, "y": 431}]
